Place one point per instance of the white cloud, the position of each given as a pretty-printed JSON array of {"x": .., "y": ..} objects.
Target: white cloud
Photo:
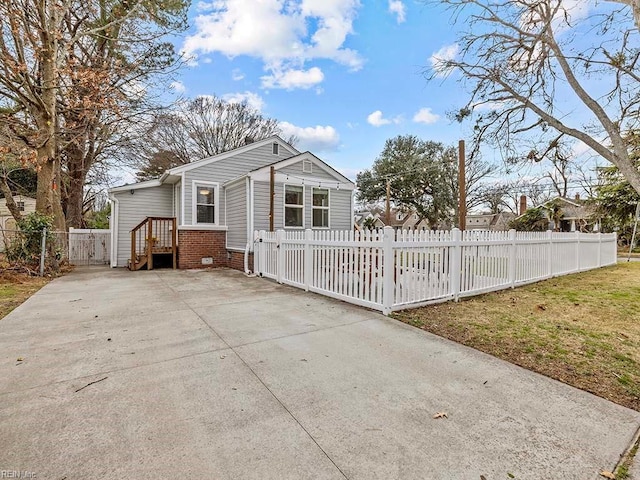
[
  {"x": 315, "y": 139},
  {"x": 292, "y": 79},
  {"x": 284, "y": 34},
  {"x": 178, "y": 87},
  {"x": 254, "y": 100},
  {"x": 426, "y": 116},
  {"x": 377, "y": 119},
  {"x": 398, "y": 9},
  {"x": 237, "y": 75},
  {"x": 438, "y": 59}
]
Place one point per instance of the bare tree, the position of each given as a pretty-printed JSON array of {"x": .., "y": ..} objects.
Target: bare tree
[
  {"x": 200, "y": 128},
  {"x": 67, "y": 69},
  {"x": 526, "y": 69}
]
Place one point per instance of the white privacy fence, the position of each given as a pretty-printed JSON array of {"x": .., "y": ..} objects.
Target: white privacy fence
[{"x": 391, "y": 270}]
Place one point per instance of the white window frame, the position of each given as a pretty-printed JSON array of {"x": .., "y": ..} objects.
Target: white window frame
[
  {"x": 275, "y": 148},
  {"x": 194, "y": 201},
  {"x": 307, "y": 166},
  {"x": 284, "y": 205},
  {"x": 327, "y": 208}
]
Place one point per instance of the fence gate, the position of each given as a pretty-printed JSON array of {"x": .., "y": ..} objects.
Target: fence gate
[{"x": 89, "y": 247}]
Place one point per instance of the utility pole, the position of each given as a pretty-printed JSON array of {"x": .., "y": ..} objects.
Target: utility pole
[
  {"x": 462, "y": 188},
  {"x": 388, "y": 222}
]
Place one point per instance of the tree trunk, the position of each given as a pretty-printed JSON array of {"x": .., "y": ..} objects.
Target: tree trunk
[
  {"x": 11, "y": 204},
  {"x": 75, "y": 202}
]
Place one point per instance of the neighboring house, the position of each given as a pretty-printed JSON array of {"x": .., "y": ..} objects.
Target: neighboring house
[
  {"x": 400, "y": 219},
  {"x": 218, "y": 202},
  {"x": 489, "y": 221},
  {"x": 26, "y": 205},
  {"x": 574, "y": 214}
]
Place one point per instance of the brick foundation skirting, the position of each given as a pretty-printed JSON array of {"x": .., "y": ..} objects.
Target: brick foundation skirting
[
  {"x": 194, "y": 245},
  {"x": 237, "y": 261}
]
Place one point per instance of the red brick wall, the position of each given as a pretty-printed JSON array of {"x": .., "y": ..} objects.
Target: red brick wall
[
  {"x": 193, "y": 245},
  {"x": 237, "y": 261}
]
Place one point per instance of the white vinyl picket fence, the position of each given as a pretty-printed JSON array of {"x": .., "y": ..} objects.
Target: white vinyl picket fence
[{"x": 390, "y": 270}]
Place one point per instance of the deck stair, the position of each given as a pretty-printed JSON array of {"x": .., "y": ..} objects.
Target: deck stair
[{"x": 151, "y": 237}]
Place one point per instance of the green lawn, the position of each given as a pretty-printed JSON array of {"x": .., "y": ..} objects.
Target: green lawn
[{"x": 581, "y": 329}]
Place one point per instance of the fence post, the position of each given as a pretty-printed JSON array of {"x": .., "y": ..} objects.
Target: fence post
[
  {"x": 279, "y": 255},
  {"x": 550, "y": 253},
  {"x": 43, "y": 250},
  {"x": 455, "y": 263},
  {"x": 308, "y": 258},
  {"x": 260, "y": 251},
  {"x": 388, "y": 269},
  {"x": 512, "y": 257},
  {"x": 577, "y": 251}
]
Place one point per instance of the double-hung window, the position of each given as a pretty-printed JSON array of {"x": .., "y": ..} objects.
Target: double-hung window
[
  {"x": 293, "y": 206},
  {"x": 320, "y": 212},
  {"x": 205, "y": 203}
]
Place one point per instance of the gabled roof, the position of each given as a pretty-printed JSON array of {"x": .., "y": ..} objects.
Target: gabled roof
[
  {"x": 304, "y": 156},
  {"x": 136, "y": 186},
  {"x": 231, "y": 153}
]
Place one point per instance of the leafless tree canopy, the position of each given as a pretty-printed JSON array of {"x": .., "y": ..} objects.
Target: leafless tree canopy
[
  {"x": 538, "y": 69},
  {"x": 200, "y": 128}
]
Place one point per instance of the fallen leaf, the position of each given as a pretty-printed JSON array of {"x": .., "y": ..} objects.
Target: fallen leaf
[
  {"x": 541, "y": 307},
  {"x": 19, "y": 359},
  {"x": 510, "y": 475},
  {"x": 609, "y": 475},
  {"x": 441, "y": 415},
  {"x": 482, "y": 477},
  {"x": 222, "y": 356}
]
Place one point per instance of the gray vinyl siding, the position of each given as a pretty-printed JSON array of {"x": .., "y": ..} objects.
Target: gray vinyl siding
[
  {"x": 236, "y": 215},
  {"x": 145, "y": 202},
  {"x": 340, "y": 211},
  {"x": 228, "y": 169},
  {"x": 317, "y": 172},
  {"x": 178, "y": 203}
]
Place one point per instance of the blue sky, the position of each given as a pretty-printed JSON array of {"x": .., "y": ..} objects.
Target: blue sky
[{"x": 341, "y": 75}]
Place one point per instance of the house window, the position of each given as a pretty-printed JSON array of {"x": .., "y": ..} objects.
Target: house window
[
  {"x": 20, "y": 206},
  {"x": 307, "y": 166},
  {"x": 320, "y": 208},
  {"x": 205, "y": 203},
  {"x": 293, "y": 206},
  {"x": 276, "y": 149}
]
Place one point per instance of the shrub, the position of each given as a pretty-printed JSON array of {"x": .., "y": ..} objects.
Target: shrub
[{"x": 26, "y": 246}]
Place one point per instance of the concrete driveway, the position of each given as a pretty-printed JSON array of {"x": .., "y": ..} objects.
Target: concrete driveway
[{"x": 216, "y": 376}]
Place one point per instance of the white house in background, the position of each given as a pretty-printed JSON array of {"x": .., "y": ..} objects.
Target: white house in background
[
  {"x": 218, "y": 203},
  {"x": 26, "y": 205}
]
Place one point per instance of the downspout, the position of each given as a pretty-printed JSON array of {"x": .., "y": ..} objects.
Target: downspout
[
  {"x": 249, "y": 247},
  {"x": 113, "y": 226}
]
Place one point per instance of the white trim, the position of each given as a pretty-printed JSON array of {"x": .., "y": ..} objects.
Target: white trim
[
  {"x": 225, "y": 208},
  {"x": 115, "y": 211},
  {"x": 277, "y": 147},
  {"x": 248, "y": 209},
  {"x": 183, "y": 194},
  {"x": 228, "y": 183},
  {"x": 216, "y": 202},
  {"x": 327, "y": 208},
  {"x": 284, "y": 206},
  {"x": 351, "y": 203},
  {"x": 309, "y": 163},
  {"x": 136, "y": 186},
  {"x": 232, "y": 153},
  {"x": 204, "y": 226},
  {"x": 259, "y": 173},
  {"x": 252, "y": 193}
]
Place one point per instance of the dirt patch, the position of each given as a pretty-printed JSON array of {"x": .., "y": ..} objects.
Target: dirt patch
[{"x": 582, "y": 329}]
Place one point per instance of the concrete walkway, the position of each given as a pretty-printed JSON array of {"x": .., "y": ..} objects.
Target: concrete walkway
[{"x": 216, "y": 376}]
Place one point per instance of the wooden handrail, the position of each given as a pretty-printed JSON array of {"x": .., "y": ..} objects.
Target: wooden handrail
[{"x": 156, "y": 240}]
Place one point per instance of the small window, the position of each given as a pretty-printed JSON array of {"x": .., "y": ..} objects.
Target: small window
[
  {"x": 293, "y": 206},
  {"x": 205, "y": 204},
  {"x": 320, "y": 208},
  {"x": 20, "y": 206},
  {"x": 307, "y": 166},
  {"x": 276, "y": 149}
]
